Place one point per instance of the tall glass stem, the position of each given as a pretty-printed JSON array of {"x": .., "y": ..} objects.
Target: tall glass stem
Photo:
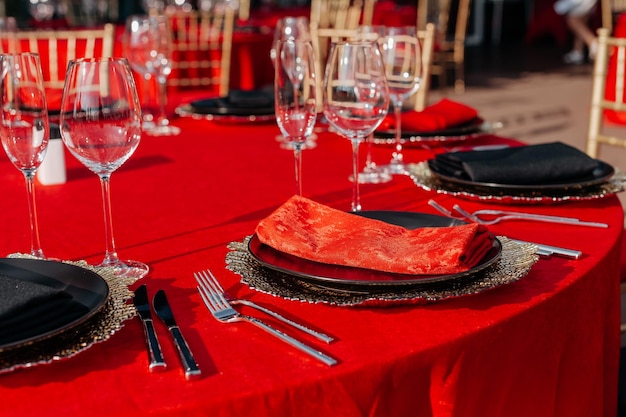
[
  {"x": 162, "y": 125},
  {"x": 35, "y": 244},
  {"x": 369, "y": 164},
  {"x": 397, "y": 162},
  {"x": 147, "y": 110},
  {"x": 162, "y": 121},
  {"x": 297, "y": 154},
  {"x": 356, "y": 198},
  {"x": 110, "y": 256}
]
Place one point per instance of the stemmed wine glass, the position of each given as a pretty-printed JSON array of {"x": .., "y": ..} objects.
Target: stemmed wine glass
[
  {"x": 24, "y": 126},
  {"x": 296, "y": 28},
  {"x": 101, "y": 127},
  {"x": 148, "y": 44},
  {"x": 403, "y": 67},
  {"x": 294, "y": 96},
  {"x": 372, "y": 173},
  {"x": 356, "y": 96},
  {"x": 132, "y": 30}
]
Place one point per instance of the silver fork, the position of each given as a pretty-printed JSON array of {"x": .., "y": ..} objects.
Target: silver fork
[
  {"x": 321, "y": 336},
  {"x": 221, "y": 309},
  {"x": 542, "y": 250},
  {"x": 501, "y": 215},
  {"x": 514, "y": 215}
]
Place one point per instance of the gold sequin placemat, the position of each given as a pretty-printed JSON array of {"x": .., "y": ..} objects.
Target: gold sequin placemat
[
  {"x": 515, "y": 262},
  {"x": 98, "y": 328}
]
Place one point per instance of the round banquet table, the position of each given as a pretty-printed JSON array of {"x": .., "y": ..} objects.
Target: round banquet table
[{"x": 546, "y": 345}]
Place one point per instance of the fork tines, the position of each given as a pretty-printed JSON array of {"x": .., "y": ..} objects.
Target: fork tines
[{"x": 210, "y": 293}]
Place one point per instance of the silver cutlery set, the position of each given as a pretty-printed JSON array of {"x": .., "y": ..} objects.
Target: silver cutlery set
[
  {"x": 213, "y": 296},
  {"x": 164, "y": 312},
  {"x": 222, "y": 309},
  {"x": 497, "y": 216}
]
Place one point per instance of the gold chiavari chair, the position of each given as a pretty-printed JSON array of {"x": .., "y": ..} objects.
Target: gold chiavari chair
[
  {"x": 600, "y": 101},
  {"x": 321, "y": 38},
  {"x": 610, "y": 9},
  {"x": 608, "y": 97},
  {"x": 427, "y": 40},
  {"x": 57, "y": 47},
  {"x": 449, "y": 51},
  {"x": 202, "y": 44},
  {"x": 340, "y": 14},
  {"x": 243, "y": 10}
]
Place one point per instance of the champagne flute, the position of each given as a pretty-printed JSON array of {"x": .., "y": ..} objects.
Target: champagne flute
[
  {"x": 149, "y": 45},
  {"x": 24, "y": 125},
  {"x": 101, "y": 127},
  {"x": 294, "y": 96},
  {"x": 403, "y": 66},
  {"x": 356, "y": 96}
]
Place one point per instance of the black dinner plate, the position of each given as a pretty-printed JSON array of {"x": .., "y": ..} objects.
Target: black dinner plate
[
  {"x": 601, "y": 174},
  {"x": 452, "y": 133},
  {"x": 86, "y": 289},
  {"x": 342, "y": 276},
  {"x": 237, "y": 103}
]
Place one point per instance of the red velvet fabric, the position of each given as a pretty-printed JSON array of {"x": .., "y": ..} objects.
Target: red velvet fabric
[
  {"x": 317, "y": 232},
  {"x": 544, "y": 346}
]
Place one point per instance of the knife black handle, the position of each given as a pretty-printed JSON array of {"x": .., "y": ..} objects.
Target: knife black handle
[
  {"x": 157, "y": 363},
  {"x": 186, "y": 358}
]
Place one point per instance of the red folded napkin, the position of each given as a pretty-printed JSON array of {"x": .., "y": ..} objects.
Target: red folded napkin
[
  {"x": 316, "y": 232},
  {"x": 441, "y": 115}
]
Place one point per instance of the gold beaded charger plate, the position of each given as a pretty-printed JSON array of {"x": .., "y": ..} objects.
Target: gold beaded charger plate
[
  {"x": 340, "y": 276},
  {"x": 515, "y": 262},
  {"x": 99, "y": 325},
  {"x": 607, "y": 185}
]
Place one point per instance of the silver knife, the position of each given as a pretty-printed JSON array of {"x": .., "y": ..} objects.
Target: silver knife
[
  {"x": 164, "y": 312},
  {"x": 547, "y": 250},
  {"x": 157, "y": 363}
]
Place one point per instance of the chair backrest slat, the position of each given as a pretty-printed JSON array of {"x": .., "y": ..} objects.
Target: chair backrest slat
[
  {"x": 202, "y": 43},
  {"x": 321, "y": 38},
  {"x": 607, "y": 98},
  {"x": 57, "y": 47}
]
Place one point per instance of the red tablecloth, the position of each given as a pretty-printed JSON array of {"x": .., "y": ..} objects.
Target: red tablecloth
[{"x": 546, "y": 345}]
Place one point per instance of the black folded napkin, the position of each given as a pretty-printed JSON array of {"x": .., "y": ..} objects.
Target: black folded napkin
[
  {"x": 28, "y": 309},
  {"x": 237, "y": 100},
  {"x": 544, "y": 164},
  {"x": 252, "y": 98}
]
